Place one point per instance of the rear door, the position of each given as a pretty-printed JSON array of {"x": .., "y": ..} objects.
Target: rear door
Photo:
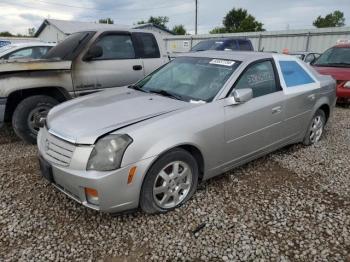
[
  {"x": 118, "y": 66},
  {"x": 147, "y": 49},
  {"x": 301, "y": 90},
  {"x": 254, "y": 127}
]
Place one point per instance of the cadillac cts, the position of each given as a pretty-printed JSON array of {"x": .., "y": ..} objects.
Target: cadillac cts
[{"x": 148, "y": 145}]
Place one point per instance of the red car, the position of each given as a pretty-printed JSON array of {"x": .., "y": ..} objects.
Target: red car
[{"x": 336, "y": 62}]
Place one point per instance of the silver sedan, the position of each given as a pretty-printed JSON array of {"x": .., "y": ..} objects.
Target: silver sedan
[{"x": 150, "y": 144}]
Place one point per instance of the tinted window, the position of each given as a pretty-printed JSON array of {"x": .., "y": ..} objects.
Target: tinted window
[
  {"x": 147, "y": 46},
  {"x": 245, "y": 45},
  {"x": 116, "y": 47},
  {"x": 260, "y": 77},
  {"x": 335, "y": 56},
  {"x": 208, "y": 45},
  {"x": 231, "y": 44},
  {"x": 294, "y": 74},
  {"x": 70, "y": 47}
]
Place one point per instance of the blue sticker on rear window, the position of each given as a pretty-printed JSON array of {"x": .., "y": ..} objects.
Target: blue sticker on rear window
[{"x": 294, "y": 74}]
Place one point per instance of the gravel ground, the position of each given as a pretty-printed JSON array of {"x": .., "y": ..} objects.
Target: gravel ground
[{"x": 293, "y": 205}]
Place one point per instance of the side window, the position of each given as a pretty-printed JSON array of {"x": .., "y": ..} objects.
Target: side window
[
  {"x": 116, "y": 46},
  {"x": 39, "y": 51},
  {"x": 147, "y": 46},
  {"x": 294, "y": 74},
  {"x": 260, "y": 77},
  {"x": 309, "y": 58},
  {"x": 245, "y": 45},
  {"x": 23, "y": 53}
]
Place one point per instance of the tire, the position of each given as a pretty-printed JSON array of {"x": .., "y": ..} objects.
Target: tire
[
  {"x": 182, "y": 186},
  {"x": 315, "y": 129},
  {"x": 27, "y": 113}
]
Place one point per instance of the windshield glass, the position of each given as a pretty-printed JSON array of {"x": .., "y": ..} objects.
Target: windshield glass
[
  {"x": 207, "y": 45},
  {"x": 67, "y": 49},
  {"x": 190, "y": 78},
  {"x": 335, "y": 56}
]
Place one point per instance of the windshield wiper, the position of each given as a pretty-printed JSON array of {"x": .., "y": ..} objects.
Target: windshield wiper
[
  {"x": 166, "y": 93},
  {"x": 138, "y": 88}
]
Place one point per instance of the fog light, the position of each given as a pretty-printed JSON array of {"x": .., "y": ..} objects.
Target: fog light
[{"x": 92, "y": 196}]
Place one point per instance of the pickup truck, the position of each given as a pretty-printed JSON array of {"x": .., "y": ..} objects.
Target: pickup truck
[{"x": 83, "y": 63}]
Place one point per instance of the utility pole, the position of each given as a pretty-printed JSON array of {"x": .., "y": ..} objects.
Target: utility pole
[{"x": 196, "y": 21}]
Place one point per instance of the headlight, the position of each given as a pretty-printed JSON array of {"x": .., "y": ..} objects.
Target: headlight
[
  {"x": 108, "y": 152},
  {"x": 347, "y": 84}
]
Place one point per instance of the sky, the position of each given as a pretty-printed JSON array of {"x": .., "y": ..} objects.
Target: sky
[{"x": 19, "y": 15}]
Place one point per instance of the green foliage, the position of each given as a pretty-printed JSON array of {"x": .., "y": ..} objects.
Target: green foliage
[
  {"x": 335, "y": 19},
  {"x": 6, "y": 34},
  {"x": 106, "y": 21},
  {"x": 238, "y": 20},
  {"x": 179, "y": 30},
  {"x": 156, "y": 20}
]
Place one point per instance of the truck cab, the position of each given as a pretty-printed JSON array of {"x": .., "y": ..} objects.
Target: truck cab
[{"x": 84, "y": 63}]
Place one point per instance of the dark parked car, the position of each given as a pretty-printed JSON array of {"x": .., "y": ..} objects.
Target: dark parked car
[{"x": 237, "y": 44}]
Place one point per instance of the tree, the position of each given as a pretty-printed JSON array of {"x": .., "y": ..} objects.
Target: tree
[
  {"x": 156, "y": 20},
  {"x": 106, "y": 21},
  {"x": 335, "y": 19},
  {"x": 31, "y": 31},
  {"x": 179, "y": 30},
  {"x": 238, "y": 20},
  {"x": 6, "y": 34}
]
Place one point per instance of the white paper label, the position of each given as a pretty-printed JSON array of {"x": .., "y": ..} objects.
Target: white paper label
[{"x": 222, "y": 62}]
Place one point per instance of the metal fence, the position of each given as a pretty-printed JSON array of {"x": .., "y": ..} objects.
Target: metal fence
[{"x": 317, "y": 40}]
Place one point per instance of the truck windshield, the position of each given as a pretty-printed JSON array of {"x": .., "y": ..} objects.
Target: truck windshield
[
  {"x": 335, "y": 56},
  {"x": 70, "y": 47},
  {"x": 192, "y": 79},
  {"x": 207, "y": 45}
]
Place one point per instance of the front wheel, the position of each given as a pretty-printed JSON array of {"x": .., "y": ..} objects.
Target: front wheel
[
  {"x": 25, "y": 119},
  {"x": 170, "y": 182},
  {"x": 315, "y": 129}
]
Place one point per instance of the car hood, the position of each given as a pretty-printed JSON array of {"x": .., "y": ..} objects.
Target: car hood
[
  {"x": 84, "y": 120},
  {"x": 338, "y": 73}
]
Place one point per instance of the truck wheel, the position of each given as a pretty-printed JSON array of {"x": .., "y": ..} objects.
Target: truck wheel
[{"x": 25, "y": 119}]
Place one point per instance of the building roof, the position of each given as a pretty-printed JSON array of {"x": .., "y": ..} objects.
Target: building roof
[
  {"x": 142, "y": 26},
  {"x": 69, "y": 27}
]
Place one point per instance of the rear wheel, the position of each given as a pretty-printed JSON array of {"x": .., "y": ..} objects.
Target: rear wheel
[
  {"x": 25, "y": 119},
  {"x": 170, "y": 182},
  {"x": 316, "y": 128}
]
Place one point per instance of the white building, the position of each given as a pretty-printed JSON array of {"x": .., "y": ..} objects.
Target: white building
[{"x": 55, "y": 31}]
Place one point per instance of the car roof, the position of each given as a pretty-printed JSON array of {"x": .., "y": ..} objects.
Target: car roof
[
  {"x": 244, "y": 56},
  {"x": 25, "y": 44},
  {"x": 342, "y": 46},
  {"x": 225, "y": 39}
]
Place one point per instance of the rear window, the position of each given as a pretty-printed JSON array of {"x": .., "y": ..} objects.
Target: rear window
[
  {"x": 294, "y": 74},
  {"x": 207, "y": 45},
  {"x": 245, "y": 45},
  {"x": 147, "y": 46}
]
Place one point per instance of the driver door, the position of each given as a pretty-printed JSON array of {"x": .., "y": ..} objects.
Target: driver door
[
  {"x": 118, "y": 66},
  {"x": 254, "y": 127}
]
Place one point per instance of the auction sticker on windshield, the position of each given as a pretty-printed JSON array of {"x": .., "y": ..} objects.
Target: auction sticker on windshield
[{"x": 222, "y": 62}]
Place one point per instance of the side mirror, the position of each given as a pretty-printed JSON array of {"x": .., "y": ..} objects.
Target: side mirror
[
  {"x": 243, "y": 95},
  {"x": 94, "y": 52}
]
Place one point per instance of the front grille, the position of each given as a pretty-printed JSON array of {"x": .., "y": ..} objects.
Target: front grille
[{"x": 57, "y": 150}]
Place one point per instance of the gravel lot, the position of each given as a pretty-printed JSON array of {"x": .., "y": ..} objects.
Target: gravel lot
[{"x": 293, "y": 205}]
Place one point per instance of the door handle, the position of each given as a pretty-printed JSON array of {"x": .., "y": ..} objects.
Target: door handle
[
  {"x": 137, "y": 67},
  {"x": 311, "y": 97},
  {"x": 277, "y": 110}
]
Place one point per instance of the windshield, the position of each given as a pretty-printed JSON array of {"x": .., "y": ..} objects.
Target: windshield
[
  {"x": 207, "y": 45},
  {"x": 67, "y": 49},
  {"x": 335, "y": 56},
  {"x": 191, "y": 79}
]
